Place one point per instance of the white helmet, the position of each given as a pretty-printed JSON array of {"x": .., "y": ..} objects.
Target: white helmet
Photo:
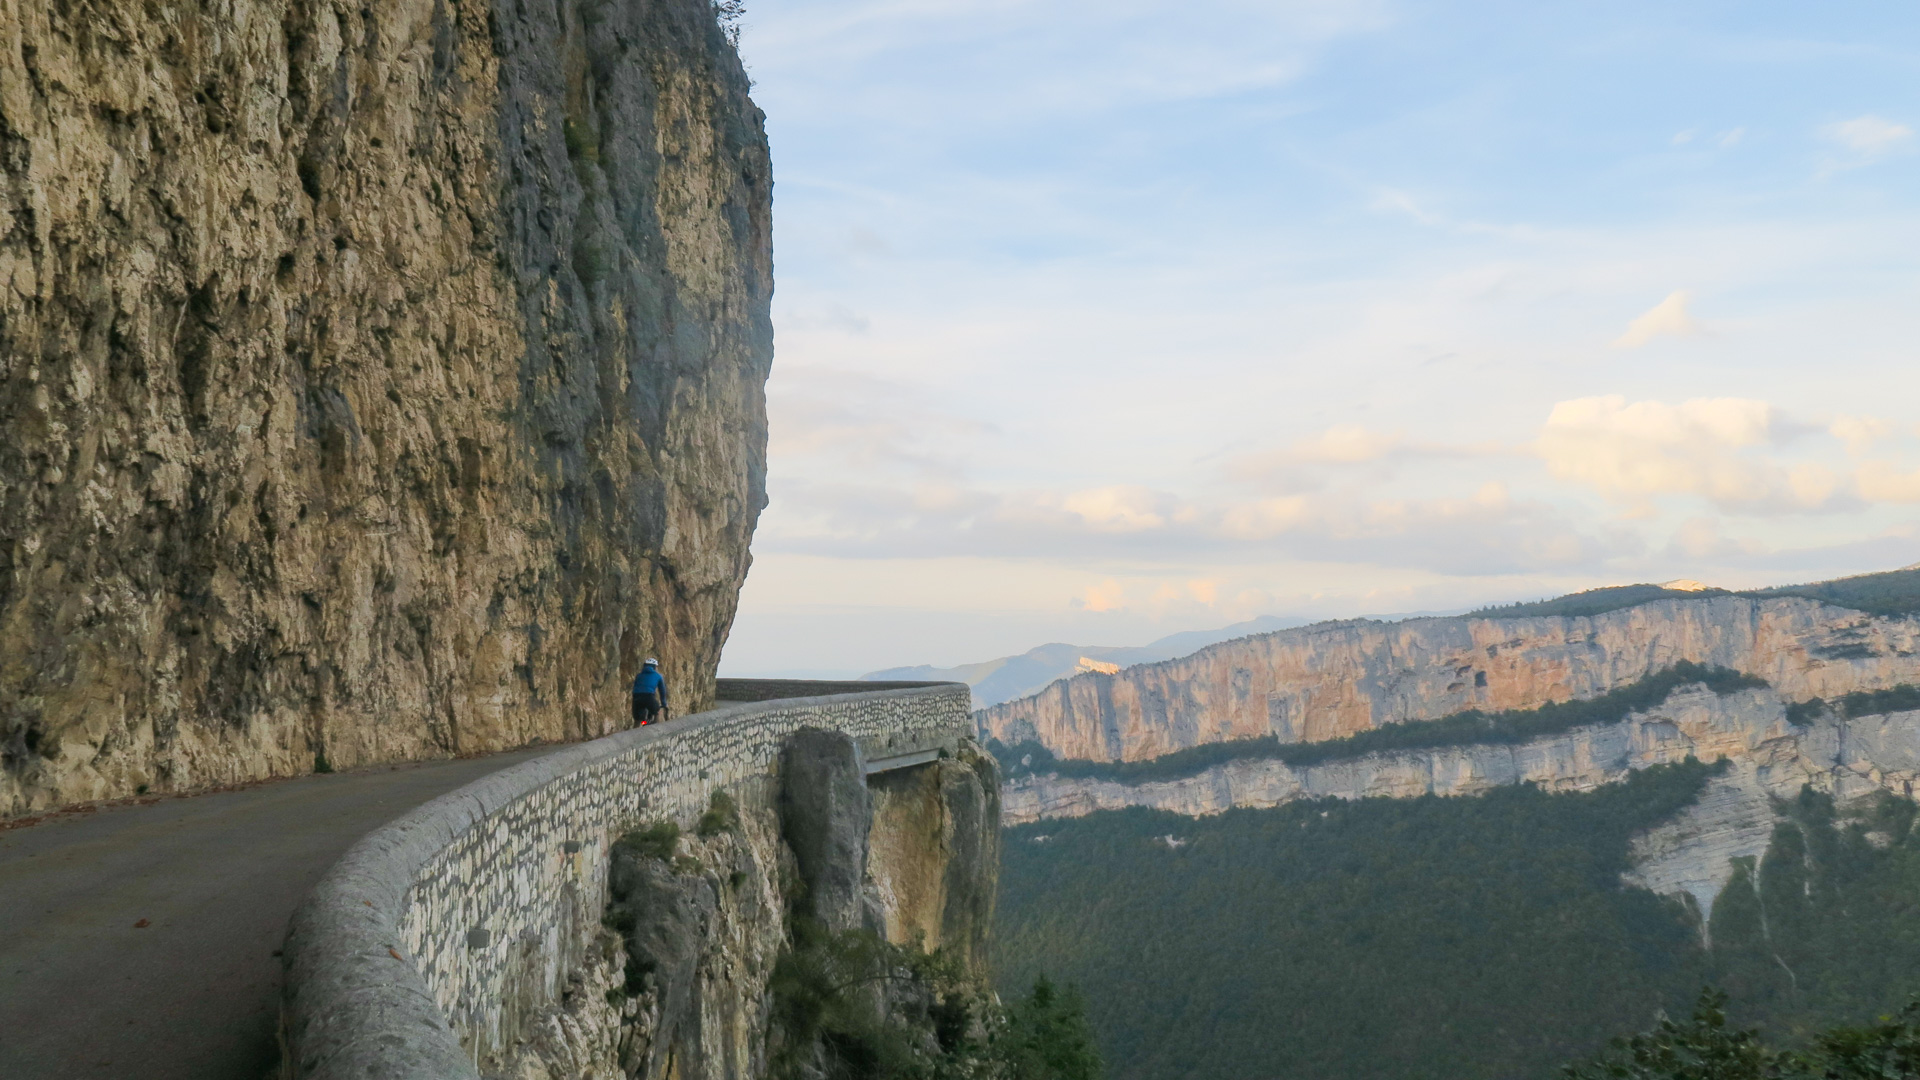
[{"x": 651, "y": 662}]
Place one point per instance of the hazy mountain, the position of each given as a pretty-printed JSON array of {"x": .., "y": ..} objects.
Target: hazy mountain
[{"x": 1009, "y": 677}]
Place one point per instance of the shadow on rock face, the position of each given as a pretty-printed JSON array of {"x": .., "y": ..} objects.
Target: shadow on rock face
[{"x": 825, "y": 814}]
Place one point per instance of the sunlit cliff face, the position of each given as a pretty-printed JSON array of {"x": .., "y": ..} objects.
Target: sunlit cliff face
[
  {"x": 380, "y": 382},
  {"x": 1335, "y": 679}
]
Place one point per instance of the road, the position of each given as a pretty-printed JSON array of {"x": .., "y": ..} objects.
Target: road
[{"x": 142, "y": 941}]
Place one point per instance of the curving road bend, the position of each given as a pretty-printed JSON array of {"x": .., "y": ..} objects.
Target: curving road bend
[{"x": 141, "y": 941}]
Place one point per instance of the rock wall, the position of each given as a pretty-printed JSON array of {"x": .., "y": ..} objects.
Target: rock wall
[
  {"x": 467, "y": 937},
  {"x": 680, "y": 987},
  {"x": 1332, "y": 680},
  {"x": 381, "y": 379},
  {"x": 1770, "y": 759}
]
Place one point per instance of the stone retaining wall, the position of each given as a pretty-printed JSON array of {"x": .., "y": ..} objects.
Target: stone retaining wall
[
  {"x": 729, "y": 690},
  {"x": 423, "y": 948}
]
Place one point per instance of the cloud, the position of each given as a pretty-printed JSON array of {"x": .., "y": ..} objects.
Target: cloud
[
  {"x": 1860, "y": 432},
  {"x": 1699, "y": 539},
  {"x": 1881, "y": 481},
  {"x": 1702, "y": 447},
  {"x": 1863, "y": 141},
  {"x": 1669, "y": 316},
  {"x": 1869, "y": 136},
  {"x": 1121, "y": 509},
  {"x": 1726, "y": 140},
  {"x": 1347, "y": 444},
  {"x": 850, "y": 420},
  {"x": 1304, "y": 465},
  {"x": 1109, "y": 595},
  {"x": 1025, "y": 60},
  {"x": 1488, "y": 532}
]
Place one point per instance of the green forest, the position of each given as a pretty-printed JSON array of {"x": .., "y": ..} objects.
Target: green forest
[
  {"x": 1892, "y": 592},
  {"x": 1444, "y": 938}
]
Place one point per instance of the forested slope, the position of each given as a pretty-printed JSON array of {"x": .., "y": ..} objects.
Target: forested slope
[{"x": 1443, "y": 938}]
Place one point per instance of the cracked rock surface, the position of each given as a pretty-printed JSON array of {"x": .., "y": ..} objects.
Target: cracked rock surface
[{"x": 382, "y": 380}]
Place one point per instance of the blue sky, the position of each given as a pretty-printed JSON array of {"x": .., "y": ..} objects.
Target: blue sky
[{"x": 1097, "y": 321}]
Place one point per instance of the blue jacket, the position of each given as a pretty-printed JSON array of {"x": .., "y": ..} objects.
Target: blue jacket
[{"x": 650, "y": 681}]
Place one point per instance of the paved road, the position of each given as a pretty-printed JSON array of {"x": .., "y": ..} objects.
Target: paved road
[{"x": 194, "y": 993}]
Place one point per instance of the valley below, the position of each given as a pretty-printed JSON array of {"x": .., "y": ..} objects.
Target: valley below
[{"x": 1473, "y": 846}]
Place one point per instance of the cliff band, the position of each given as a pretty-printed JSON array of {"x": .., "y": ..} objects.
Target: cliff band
[
  {"x": 380, "y": 380},
  {"x": 1337, "y": 679}
]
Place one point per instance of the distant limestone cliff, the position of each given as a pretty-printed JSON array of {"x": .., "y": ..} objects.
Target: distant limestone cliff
[
  {"x": 380, "y": 380},
  {"x": 1334, "y": 680},
  {"x": 1788, "y": 691}
]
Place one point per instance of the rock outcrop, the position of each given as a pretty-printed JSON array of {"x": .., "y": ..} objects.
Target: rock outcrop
[
  {"x": 685, "y": 987},
  {"x": 381, "y": 380},
  {"x": 1770, "y": 758},
  {"x": 1336, "y": 679}
]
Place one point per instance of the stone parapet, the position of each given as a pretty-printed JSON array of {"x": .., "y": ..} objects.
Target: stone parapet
[
  {"x": 733, "y": 690},
  {"x": 427, "y": 944}
]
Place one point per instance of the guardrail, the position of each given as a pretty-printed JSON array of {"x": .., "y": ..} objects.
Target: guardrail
[{"x": 430, "y": 942}]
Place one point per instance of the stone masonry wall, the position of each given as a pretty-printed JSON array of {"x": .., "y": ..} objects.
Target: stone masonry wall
[{"x": 435, "y": 936}]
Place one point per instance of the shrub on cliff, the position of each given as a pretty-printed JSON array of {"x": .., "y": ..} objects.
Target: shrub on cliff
[
  {"x": 656, "y": 841},
  {"x": 721, "y": 816}
]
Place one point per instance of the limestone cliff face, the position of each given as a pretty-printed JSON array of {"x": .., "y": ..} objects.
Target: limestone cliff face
[
  {"x": 380, "y": 379},
  {"x": 1770, "y": 759},
  {"x": 1843, "y": 757},
  {"x": 1335, "y": 679}
]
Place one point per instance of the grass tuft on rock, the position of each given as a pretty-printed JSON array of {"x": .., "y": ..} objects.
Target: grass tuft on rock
[
  {"x": 655, "y": 841},
  {"x": 721, "y": 816}
]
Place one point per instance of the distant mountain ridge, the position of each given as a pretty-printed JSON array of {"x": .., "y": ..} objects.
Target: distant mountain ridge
[
  {"x": 1010, "y": 677},
  {"x": 1334, "y": 679},
  {"x": 1892, "y": 592}
]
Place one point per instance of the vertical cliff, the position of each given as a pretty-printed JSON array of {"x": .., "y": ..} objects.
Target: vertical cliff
[
  {"x": 381, "y": 379},
  {"x": 1334, "y": 680}
]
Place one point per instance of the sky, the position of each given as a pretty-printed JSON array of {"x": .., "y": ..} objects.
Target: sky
[{"x": 1097, "y": 321}]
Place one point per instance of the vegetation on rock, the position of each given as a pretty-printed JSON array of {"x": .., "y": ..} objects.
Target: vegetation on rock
[
  {"x": 656, "y": 841},
  {"x": 1895, "y": 592},
  {"x": 851, "y": 1006},
  {"x": 1825, "y": 929},
  {"x": 721, "y": 815},
  {"x": 1593, "y": 602}
]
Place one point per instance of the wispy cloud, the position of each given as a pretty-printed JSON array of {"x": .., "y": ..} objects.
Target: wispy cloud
[
  {"x": 1668, "y": 318},
  {"x": 1863, "y": 141},
  {"x": 1488, "y": 531},
  {"x": 1869, "y": 136},
  {"x": 1633, "y": 451}
]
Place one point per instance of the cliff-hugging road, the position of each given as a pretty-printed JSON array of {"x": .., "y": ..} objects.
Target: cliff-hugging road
[{"x": 142, "y": 940}]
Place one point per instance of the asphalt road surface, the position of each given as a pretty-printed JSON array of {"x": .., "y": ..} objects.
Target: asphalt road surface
[{"x": 142, "y": 941}]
